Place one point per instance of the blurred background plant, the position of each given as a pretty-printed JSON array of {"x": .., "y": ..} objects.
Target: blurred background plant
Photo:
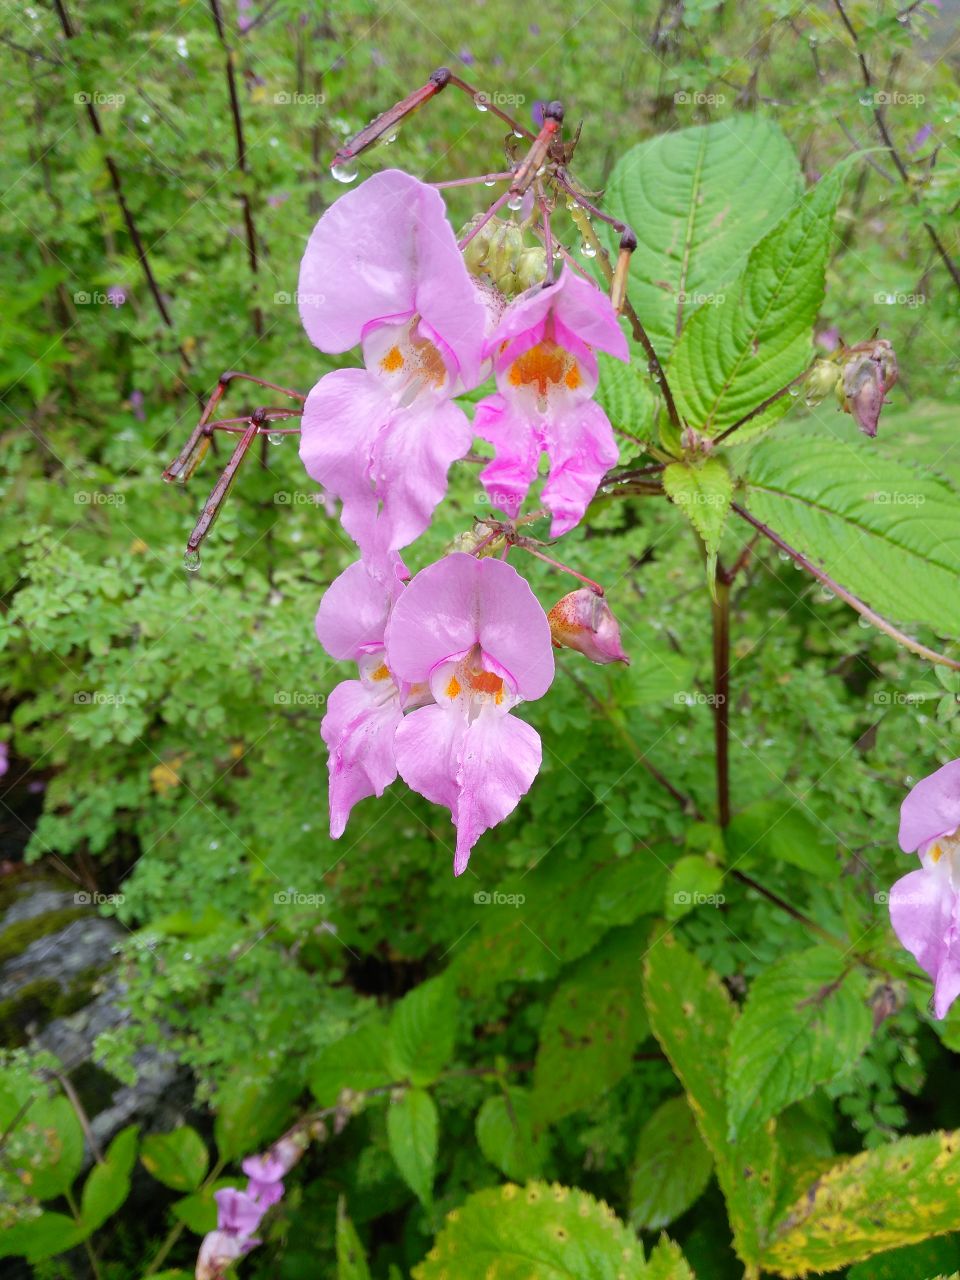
[{"x": 165, "y": 764}]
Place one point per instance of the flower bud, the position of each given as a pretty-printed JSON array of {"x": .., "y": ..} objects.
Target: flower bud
[
  {"x": 531, "y": 269},
  {"x": 496, "y": 256},
  {"x": 820, "y": 381},
  {"x": 583, "y": 621},
  {"x": 869, "y": 371}
]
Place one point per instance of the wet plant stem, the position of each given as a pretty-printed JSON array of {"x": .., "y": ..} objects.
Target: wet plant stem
[{"x": 721, "y": 694}]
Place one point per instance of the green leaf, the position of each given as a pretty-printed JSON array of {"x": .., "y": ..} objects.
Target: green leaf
[
  {"x": 625, "y": 395},
  {"x": 179, "y": 1159},
  {"x": 593, "y": 1023},
  {"x": 505, "y": 1135},
  {"x": 668, "y": 1263},
  {"x": 695, "y": 883},
  {"x": 40, "y": 1238},
  {"x": 547, "y": 1231},
  {"x": 883, "y": 531},
  {"x": 692, "y": 1016},
  {"x": 252, "y": 1108},
  {"x": 54, "y": 1133},
  {"x": 422, "y": 1031},
  {"x": 351, "y": 1258},
  {"x": 781, "y": 830},
  {"x": 698, "y": 199},
  {"x": 671, "y": 1169},
  {"x": 412, "y": 1133},
  {"x": 108, "y": 1184},
  {"x": 805, "y": 1022},
  {"x": 632, "y": 887},
  {"x": 925, "y": 1259},
  {"x": 735, "y": 353},
  {"x": 703, "y": 492},
  {"x": 899, "y": 1194},
  {"x": 356, "y": 1062}
]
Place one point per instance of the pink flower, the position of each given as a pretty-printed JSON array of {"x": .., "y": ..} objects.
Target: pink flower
[
  {"x": 474, "y": 631},
  {"x": 362, "y": 715},
  {"x": 382, "y": 269},
  {"x": 543, "y": 354},
  {"x": 583, "y": 621},
  {"x": 238, "y": 1213},
  {"x": 218, "y": 1251},
  {"x": 925, "y": 904}
]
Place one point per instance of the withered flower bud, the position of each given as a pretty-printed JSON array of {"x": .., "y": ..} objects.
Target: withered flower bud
[
  {"x": 583, "y": 621},
  {"x": 869, "y": 371}
]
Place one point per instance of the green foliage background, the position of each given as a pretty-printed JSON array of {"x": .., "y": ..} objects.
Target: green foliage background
[{"x": 174, "y": 718}]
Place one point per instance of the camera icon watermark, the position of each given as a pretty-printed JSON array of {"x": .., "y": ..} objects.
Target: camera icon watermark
[
  {"x": 899, "y": 498},
  {"x": 685, "y": 98},
  {"x": 97, "y": 498},
  {"x": 284, "y": 299},
  {"x": 912, "y": 301},
  {"x": 98, "y": 698},
  {"x": 284, "y": 99},
  {"x": 298, "y": 498},
  {"x": 692, "y": 898},
  {"x": 893, "y": 98},
  {"x": 114, "y": 297},
  {"x": 484, "y": 100},
  {"x": 95, "y": 899},
  {"x": 294, "y": 898},
  {"x": 98, "y": 99},
  {"x": 486, "y": 898},
  {"x": 298, "y": 698},
  {"x": 694, "y": 698},
  {"x": 894, "y": 698}
]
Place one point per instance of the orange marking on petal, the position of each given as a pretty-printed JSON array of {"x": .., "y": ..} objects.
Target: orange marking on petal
[
  {"x": 382, "y": 672},
  {"x": 453, "y": 688},
  {"x": 936, "y": 853},
  {"x": 486, "y": 682},
  {"x": 573, "y": 378},
  {"x": 542, "y": 366},
  {"x": 392, "y": 361}
]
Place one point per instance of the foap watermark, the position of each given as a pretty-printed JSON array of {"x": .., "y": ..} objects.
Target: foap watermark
[
  {"x": 894, "y": 98},
  {"x": 294, "y": 898},
  {"x": 95, "y": 899},
  {"x": 884, "y": 298},
  {"x": 697, "y": 299},
  {"x": 284, "y": 299},
  {"x": 500, "y": 498},
  {"x": 694, "y": 698},
  {"x": 899, "y": 498},
  {"x": 896, "y": 698},
  {"x": 696, "y": 98},
  {"x": 97, "y": 498},
  {"x": 484, "y": 100},
  {"x": 99, "y": 99},
  {"x": 284, "y": 99},
  {"x": 298, "y": 698},
  {"x": 693, "y": 898},
  {"x": 114, "y": 297},
  {"x": 99, "y": 698},
  {"x": 298, "y": 498},
  {"x": 494, "y": 898}
]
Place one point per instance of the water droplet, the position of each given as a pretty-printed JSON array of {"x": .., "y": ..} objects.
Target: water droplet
[
  {"x": 391, "y": 137},
  {"x": 784, "y": 556},
  {"x": 489, "y": 182},
  {"x": 346, "y": 172},
  {"x": 866, "y": 99},
  {"x": 514, "y": 202},
  {"x": 588, "y": 250},
  {"x": 191, "y": 561},
  {"x": 479, "y": 103},
  {"x": 517, "y": 133},
  {"x": 214, "y": 844},
  {"x": 827, "y": 595},
  {"x": 571, "y": 205},
  {"x": 275, "y": 437},
  {"x": 862, "y": 622},
  {"x": 794, "y": 392}
]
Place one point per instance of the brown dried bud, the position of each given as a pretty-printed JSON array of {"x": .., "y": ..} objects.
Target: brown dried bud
[{"x": 869, "y": 371}]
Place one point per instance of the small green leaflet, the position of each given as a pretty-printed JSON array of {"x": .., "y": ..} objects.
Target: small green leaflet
[
  {"x": 412, "y": 1131},
  {"x": 671, "y": 1168},
  {"x": 703, "y": 491}
]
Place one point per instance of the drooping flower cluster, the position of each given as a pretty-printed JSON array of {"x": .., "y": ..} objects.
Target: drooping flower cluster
[
  {"x": 239, "y": 1213},
  {"x": 925, "y": 904},
  {"x": 444, "y": 660}
]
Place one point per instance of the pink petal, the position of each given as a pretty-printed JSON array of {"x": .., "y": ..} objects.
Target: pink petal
[
  {"x": 353, "y": 613},
  {"x": 477, "y": 769},
  {"x": 580, "y": 442},
  {"x": 925, "y": 913},
  {"x": 410, "y": 460},
  {"x": 932, "y": 809},
  {"x": 460, "y": 601},
  {"x": 237, "y": 1212},
  {"x": 359, "y": 730},
  {"x": 580, "y": 308},
  {"x": 340, "y": 421},
  {"x": 507, "y": 479},
  {"x": 385, "y": 250},
  {"x": 217, "y": 1251}
]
